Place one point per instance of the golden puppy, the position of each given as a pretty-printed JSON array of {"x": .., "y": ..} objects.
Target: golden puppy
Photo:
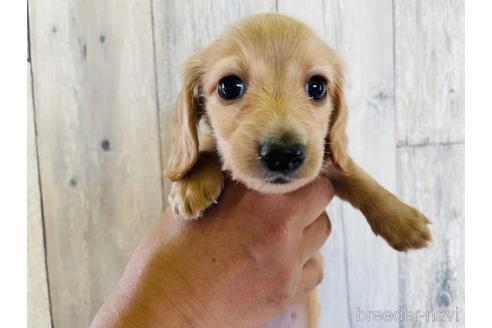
[{"x": 270, "y": 95}]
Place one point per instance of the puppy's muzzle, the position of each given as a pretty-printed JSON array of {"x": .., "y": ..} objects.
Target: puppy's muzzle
[{"x": 282, "y": 157}]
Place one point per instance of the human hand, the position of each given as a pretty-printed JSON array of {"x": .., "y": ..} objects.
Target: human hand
[{"x": 244, "y": 262}]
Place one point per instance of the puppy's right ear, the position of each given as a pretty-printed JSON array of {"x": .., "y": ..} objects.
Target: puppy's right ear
[{"x": 184, "y": 123}]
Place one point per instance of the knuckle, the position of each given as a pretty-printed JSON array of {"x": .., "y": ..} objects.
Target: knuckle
[
  {"x": 317, "y": 278},
  {"x": 320, "y": 277},
  {"x": 283, "y": 275},
  {"x": 318, "y": 265},
  {"x": 268, "y": 245},
  {"x": 326, "y": 224},
  {"x": 276, "y": 234}
]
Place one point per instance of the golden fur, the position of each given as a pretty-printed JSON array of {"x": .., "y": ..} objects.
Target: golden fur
[{"x": 274, "y": 55}]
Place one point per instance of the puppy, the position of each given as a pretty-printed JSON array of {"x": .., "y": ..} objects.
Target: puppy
[{"x": 270, "y": 99}]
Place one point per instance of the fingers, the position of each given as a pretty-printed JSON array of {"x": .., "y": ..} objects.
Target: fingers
[
  {"x": 311, "y": 275},
  {"x": 314, "y": 236},
  {"x": 312, "y": 199}
]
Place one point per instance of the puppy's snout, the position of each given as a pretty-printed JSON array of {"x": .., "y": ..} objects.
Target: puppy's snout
[{"x": 282, "y": 158}]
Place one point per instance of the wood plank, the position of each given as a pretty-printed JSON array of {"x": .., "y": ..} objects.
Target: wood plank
[
  {"x": 98, "y": 144},
  {"x": 432, "y": 178},
  {"x": 429, "y": 71},
  {"x": 361, "y": 271},
  {"x": 182, "y": 28},
  {"x": 38, "y": 305},
  {"x": 429, "y": 67}
]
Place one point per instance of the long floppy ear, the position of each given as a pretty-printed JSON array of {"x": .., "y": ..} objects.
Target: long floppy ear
[
  {"x": 337, "y": 136},
  {"x": 184, "y": 123}
]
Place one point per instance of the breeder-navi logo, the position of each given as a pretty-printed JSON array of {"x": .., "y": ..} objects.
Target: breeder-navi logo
[{"x": 404, "y": 315}]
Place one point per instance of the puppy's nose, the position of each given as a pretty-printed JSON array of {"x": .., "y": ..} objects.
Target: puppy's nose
[{"x": 282, "y": 158}]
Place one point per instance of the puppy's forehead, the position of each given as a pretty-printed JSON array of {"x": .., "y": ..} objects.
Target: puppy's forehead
[{"x": 273, "y": 41}]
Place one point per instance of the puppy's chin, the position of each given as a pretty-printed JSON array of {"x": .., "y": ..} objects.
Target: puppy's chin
[{"x": 273, "y": 187}]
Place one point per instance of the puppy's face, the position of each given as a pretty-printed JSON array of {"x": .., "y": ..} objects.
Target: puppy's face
[{"x": 268, "y": 89}]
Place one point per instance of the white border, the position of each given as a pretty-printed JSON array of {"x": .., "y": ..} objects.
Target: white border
[
  {"x": 13, "y": 168},
  {"x": 478, "y": 163}
]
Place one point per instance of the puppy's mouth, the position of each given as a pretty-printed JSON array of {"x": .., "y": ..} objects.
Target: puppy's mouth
[{"x": 280, "y": 180}]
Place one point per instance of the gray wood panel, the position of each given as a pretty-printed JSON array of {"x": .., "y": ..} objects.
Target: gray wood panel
[
  {"x": 182, "y": 28},
  {"x": 38, "y": 307},
  {"x": 360, "y": 270},
  {"x": 432, "y": 178},
  {"x": 94, "y": 83},
  {"x": 430, "y": 64}
]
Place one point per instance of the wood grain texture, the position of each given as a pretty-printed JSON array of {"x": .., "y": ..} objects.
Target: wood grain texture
[
  {"x": 429, "y": 52},
  {"x": 38, "y": 306},
  {"x": 181, "y": 28},
  {"x": 432, "y": 178},
  {"x": 361, "y": 270},
  {"x": 429, "y": 66},
  {"x": 94, "y": 83}
]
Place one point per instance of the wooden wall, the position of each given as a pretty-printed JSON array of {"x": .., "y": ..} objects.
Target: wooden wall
[{"x": 103, "y": 77}]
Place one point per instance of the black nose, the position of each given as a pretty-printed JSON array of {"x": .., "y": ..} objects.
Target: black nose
[{"x": 282, "y": 158}]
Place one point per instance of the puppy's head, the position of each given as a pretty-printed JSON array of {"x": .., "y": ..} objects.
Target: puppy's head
[{"x": 271, "y": 92}]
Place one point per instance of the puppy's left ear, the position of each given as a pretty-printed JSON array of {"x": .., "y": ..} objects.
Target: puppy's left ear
[
  {"x": 336, "y": 139},
  {"x": 184, "y": 122}
]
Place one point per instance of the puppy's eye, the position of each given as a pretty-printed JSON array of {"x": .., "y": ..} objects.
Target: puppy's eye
[
  {"x": 231, "y": 87},
  {"x": 316, "y": 88}
]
